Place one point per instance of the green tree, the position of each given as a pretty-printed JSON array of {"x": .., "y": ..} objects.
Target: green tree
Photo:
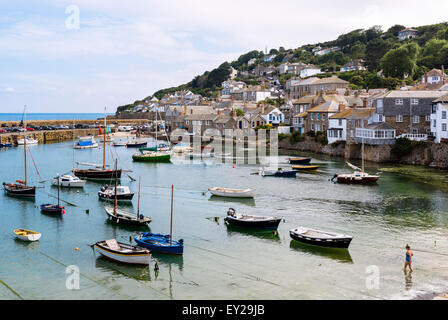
[
  {"x": 375, "y": 50},
  {"x": 401, "y": 62},
  {"x": 433, "y": 53}
]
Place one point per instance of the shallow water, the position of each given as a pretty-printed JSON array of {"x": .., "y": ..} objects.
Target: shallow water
[{"x": 221, "y": 262}]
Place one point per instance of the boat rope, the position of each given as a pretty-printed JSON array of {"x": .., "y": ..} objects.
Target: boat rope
[
  {"x": 29, "y": 150},
  {"x": 11, "y": 289},
  {"x": 121, "y": 162},
  {"x": 69, "y": 203}
]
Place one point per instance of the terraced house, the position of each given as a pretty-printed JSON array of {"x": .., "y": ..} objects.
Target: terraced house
[
  {"x": 317, "y": 118},
  {"x": 409, "y": 112}
]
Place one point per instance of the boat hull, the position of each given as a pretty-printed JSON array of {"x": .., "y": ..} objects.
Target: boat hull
[
  {"x": 50, "y": 208},
  {"x": 111, "y": 197},
  {"x": 95, "y": 174},
  {"x": 143, "y": 158},
  {"x": 137, "y": 145},
  {"x": 68, "y": 184},
  {"x": 159, "y": 243},
  {"x": 29, "y": 238},
  {"x": 353, "y": 180},
  {"x": 305, "y": 168},
  {"x": 249, "y": 193},
  {"x": 142, "y": 258},
  {"x": 321, "y": 242},
  {"x": 271, "y": 224},
  {"x": 126, "y": 218},
  {"x": 300, "y": 160},
  {"x": 19, "y": 190}
]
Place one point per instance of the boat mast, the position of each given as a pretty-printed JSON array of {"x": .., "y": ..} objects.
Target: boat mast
[
  {"x": 138, "y": 206},
  {"x": 104, "y": 141},
  {"x": 24, "y": 139},
  {"x": 59, "y": 183},
  {"x": 115, "y": 201},
  {"x": 362, "y": 151},
  {"x": 171, "y": 223}
]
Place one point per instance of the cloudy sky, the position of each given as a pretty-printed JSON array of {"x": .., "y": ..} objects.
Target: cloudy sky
[{"x": 127, "y": 50}]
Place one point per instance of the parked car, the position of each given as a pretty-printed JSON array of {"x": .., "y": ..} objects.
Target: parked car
[
  {"x": 3, "y": 131},
  {"x": 29, "y": 129},
  {"x": 4, "y": 125}
]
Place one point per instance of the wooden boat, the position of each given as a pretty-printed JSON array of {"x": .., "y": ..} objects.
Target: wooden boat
[
  {"x": 27, "y": 141},
  {"x": 278, "y": 173},
  {"x": 124, "y": 217},
  {"x": 320, "y": 238},
  {"x": 98, "y": 172},
  {"x": 21, "y": 188},
  {"x": 357, "y": 177},
  {"x": 122, "y": 252},
  {"x": 305, "y": 168},
  {"x": 67, "y": 181},
  {"x": 151, "y": 156},
  {"x": 300, "y": 160},
  {"x": 249, "y": 221},
  {"x": 162, "y": 243},
  {"x": 232, "y": 193},
  {"x": 27, "y": 235},
  {"x": 123, "y": 193},
  {"x": 53, "y": 208}
]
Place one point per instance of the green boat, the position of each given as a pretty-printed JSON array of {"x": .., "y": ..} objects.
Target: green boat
[
  {"x": 151, "y": 156},
  {"x": 148, "y": 149}
]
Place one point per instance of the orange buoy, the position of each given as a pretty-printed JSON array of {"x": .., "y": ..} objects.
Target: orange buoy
[{"x": 76, "y": 249}]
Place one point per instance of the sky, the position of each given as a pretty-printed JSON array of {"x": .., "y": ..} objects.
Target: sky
[{"x": 85, "y": 55}]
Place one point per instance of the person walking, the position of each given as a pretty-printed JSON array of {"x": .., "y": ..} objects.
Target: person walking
[{"x": 408, "y": 262}]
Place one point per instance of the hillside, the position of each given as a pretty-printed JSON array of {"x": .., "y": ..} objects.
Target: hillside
[{"x": 405, "y": 60}]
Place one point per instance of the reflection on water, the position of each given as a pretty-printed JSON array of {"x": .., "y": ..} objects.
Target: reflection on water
[
  {"x": 246, "y": 201},
  {"x": 255, "y": 233},
  {"x": 408, "y": 280},
  {"x": 136, "y": 272},
  {"x": 341, "y": 255}
]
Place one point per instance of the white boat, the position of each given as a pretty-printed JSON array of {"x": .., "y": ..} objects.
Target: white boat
[
  {"x": 119, "y": 143},
  {"x": 28, "y": 141},
  {"x": 267, "y": 172},
  {"x": 68, "y": 181},
  {"x": 27, "y": 235},
  {"x": 122, "y": 252},
  {"x": 123, "y": 193},
  {"x": 232, "y": 193},
  {"x": 86, "y": 143}
]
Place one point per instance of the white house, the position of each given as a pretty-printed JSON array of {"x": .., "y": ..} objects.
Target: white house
[
  {"x": 269, "y": 58},
  {"x": 337, "y": 126},
  {"x": 434, "y": 76},
  {"x": 309, "y": 71},
  {"x": 354, "y": 65},
  {"x": 439, "y": 119},
  {"x": 283, "y": 68},
  {"x": 407, "y": 34},
  {"x": 272, "y": 115},
  {"x": 262, "y": 95}
]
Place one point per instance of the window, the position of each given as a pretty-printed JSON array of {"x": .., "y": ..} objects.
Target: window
[
  {"x": 399, "y": 102},
  {"x": 434, "y": 124},
  {"x": 351, "y": 134},
  {"x": 323, "y": 117},
  {"x": 414, "y": 131},
  {"x": 323, "y": 127},
  {"x": 443, "y": 126},
  {"x": 187, "y": 121},
  {"x": 312, "y": 116},
  {"x": 414, "y": 102},
  {"x": 428, "y": 118},
  {"x": 416, "y": 119},
  {"x": 340, "y": 122},
  {"x": 443, "y": 115},
  {"x": 380, "y": 118},
  {"x": 399, "y": 118},
  {"x": 312, "y": 127},
  {"x": 317, "y": 116},
  {"x": 207, "y": 123}
]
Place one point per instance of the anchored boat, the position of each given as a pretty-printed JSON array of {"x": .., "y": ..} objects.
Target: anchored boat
[
  {"x": 123, "y": 193},
  {"x": 87, "y": 142},
  {"x": 321, "y": 238},
  {"x": 27, "y": 235},
  {"x": 299, "y": 160},
  {"x": 122, "y": 252},
  {"x": 232, "y": 193},
  {"x": 305, "y": 168},
  {"x": 67, "y": 181},
  {"x": 243, "y": 220},
  {"x": 53, "y": 208},
  {"x": 152, "y": 156}
]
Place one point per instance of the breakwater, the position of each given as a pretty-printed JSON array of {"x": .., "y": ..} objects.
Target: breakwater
[{"x": 429, "y": 154}]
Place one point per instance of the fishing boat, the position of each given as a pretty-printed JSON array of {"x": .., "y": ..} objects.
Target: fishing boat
[
  {"x": 151, "y": 156},
  {"x": 299, "y": 160},
  {"x": 232, "y": 193},
  {"x": 243, "y": 220},
  {"x": 122, "y": 252},
  {"x": 68, "y": 181},
  {"x": 27, "y": 140},
  {"x": 305, "y": 168},
  {"x": 162, "y": 243},
  {"x": 321, "y": 238},
  {"x": 27, "y": 235},
  {"x": 124, "y": 217},
  {"x": 21, "y": 187},
  {"x": 123, "y": 193},
  {"x": 98, "y": 172},
  {"x": 5, "y": 145},
  {"x": 136, "y": 143},
  {"x": 53, "y": 208},
  {"x": 279, "y": 173},
  {"x": 87, "y": 142}
]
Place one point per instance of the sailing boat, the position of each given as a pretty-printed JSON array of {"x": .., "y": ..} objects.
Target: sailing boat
[
  {"x": 124, "y": 217},
  {"x": 359, "y": 176},
  {"x": 152, "y": 154},
  {"x": 21, "y": 188},
  {"x": 98, "y": 172},
  {"x": 54, "y": 208},
  {"x": 162, "y": 243}
]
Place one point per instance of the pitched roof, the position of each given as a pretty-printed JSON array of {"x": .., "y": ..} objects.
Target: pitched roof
[
  {"x": 332, "y": 79},
  {"x": 343, "y": 114},
  {"x": 201, "y": 117},
  {"x": 329, "y": 106},
  {"x": 361, "y": 113},
  {"x": 443, "y": 98},
  {"x": 414, "y": 94}
]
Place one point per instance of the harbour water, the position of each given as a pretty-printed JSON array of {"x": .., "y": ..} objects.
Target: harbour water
[{"x": 221, "y": 262}]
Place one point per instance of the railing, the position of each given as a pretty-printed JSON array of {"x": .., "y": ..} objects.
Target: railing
[{"x": 414, "y": 137}]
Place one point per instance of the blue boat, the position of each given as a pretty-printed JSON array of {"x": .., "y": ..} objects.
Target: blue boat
[
  {"x": 160, "y": 243},
  {"x": 5, "y": 145},
  {"x": 281, "y": 173}
]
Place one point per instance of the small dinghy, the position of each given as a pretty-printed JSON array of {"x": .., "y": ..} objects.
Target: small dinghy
[
  {"x": 320, "y": 238},
  {"x": 305, "y": 168},
  {"x": 27, "y": 235},
  {"x": 278, "y": 173},
  {"x": 299, "y": 160},
  {"x": 161, "y": 243},
  {"x": 122, "y": 252},
  {"x": 232, "y": 193},
  {"x": 242, "y": 220}
]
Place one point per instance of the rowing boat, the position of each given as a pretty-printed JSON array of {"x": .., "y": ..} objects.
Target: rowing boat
[
  {"x": 232, "y": 193},
  {"x": 27, "y": 235}
]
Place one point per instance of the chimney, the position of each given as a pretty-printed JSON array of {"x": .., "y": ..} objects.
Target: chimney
[
  {"x": 219, "y": 112},
  {"x": 341, "y": 107},
  {"x": 234, "y": 113},
  {"x": 355, "y": 105},
  {"x": 443, "y": 75},
  {"x": 191, "y": 111},
  {"x": 185, "y": 109},
  {"x": 262, "y": 108},
  {"x": 426, "y": 79},
  {"x": 365, "y": 103}
]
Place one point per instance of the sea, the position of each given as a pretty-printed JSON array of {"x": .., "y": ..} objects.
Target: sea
[
  {"x": 51, "y": 116},
  {"x": 409, "y": 205}
]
